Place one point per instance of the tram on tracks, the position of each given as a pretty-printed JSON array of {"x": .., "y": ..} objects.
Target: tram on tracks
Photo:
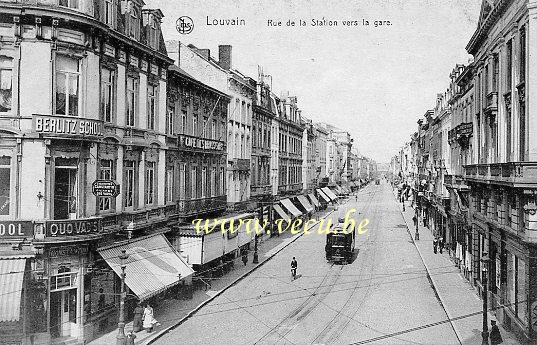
[{"x": 340, "y": 244}]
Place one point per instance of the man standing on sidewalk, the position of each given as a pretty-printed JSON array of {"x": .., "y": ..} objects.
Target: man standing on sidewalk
[
  {"x": 495, "y": 335},
  {"x": 435, "y": 245},
  {"x": 415, "y": 220}
]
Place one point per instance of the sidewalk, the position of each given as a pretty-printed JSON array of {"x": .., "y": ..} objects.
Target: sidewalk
[
  {"x": 171, "y": 312},
  {"x": 456, "y": 294}
]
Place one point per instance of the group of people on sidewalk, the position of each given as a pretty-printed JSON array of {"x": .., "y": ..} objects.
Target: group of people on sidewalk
[
  {"x": 438, "y": 245},
  {"x": 143, "y": 319}
]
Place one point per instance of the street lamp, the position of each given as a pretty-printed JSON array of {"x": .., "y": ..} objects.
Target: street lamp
[
  {"x": 121, "y": 339},
  {"x": 256, "y": 257},
  {"x": 485, "y": 333}
]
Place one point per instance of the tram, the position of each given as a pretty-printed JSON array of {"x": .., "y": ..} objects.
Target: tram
[{"x": 340, "y": 245}]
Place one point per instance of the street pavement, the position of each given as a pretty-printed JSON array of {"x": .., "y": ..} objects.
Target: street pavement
[
  {"x": 457, "y": 295},
  {"x": 170, "y": 311},
  {"x": 384, "y": 296}
]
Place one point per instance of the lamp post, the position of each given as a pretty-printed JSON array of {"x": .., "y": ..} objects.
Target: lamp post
[
  {"x": 121, "y": 339},
  {"x": 485, "y": 333},
  {"x": 256, "y": 256}
]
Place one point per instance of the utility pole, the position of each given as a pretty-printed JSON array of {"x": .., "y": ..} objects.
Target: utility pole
[
  {"x": 485, "y": 333},
  {"x": 121, "y": 339},
  {"x": 260, "y": 219}
]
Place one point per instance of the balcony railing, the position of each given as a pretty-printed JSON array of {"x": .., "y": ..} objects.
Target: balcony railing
[
  {"x": 202, "y": 205},
  {"x": 240, "y": 164},
  {"x": 517, "y": 173}
]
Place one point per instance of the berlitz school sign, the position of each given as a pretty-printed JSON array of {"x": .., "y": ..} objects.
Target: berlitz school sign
[{"x": 67, "y": 126}]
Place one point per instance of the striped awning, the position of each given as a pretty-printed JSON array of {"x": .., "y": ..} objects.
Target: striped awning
[
  {"x": 280, "y": 212},
  {"x": 305, "y": 203},
  {"x": 11, "y": 280},
  {"x": 323, "y": 196},
  {"x": 329, "y": 193},
  {"x": 291, "y": 208},
  {"x": 314, "y": 200},
  {"x": 152, "y": 266}
]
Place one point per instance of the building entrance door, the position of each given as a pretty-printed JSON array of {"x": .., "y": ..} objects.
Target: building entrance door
[
  {"x": 63, "y": 313},
  {"x": 65, "y": 192}
]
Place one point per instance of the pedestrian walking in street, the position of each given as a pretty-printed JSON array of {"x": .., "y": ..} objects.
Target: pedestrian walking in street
[
  {"x": 417, "y": 235},
  {"x": 294, "y": 265},
  {"x": 138, "y": 316},
  {"x": 244, "y": 257},
  {"x": 435, "y": 245},
  {"x": 415, "y": 220},
  {"x": 495, "y": 335},
  {"x": 441, "y": 244}
]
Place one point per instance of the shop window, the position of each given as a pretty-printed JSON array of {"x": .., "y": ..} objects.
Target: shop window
[
  {"x": 107, "y": 172},
  {"x": 213, "y": 182},
  {"x": 222, "y": 181},
  {"x": 107, "y": 94},
  {"x": 132, "y": 101},
  {"x": 65, "y": 279},
  {"x": 130, "y": 182},
  {"x": 6, "y": 88},
  {"x": 151, "y": 106},
  {"x": 67, "y": 85},
  {"x": 150, "y": 183},
  {"x": 203, "y": 182},
  {"x": 5, "y": 183}
]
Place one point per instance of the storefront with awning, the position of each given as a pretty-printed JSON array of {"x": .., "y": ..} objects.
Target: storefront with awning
[
  {"x": 152, "y": 265},
  {"x": 323, "y": 196},
  {"x": 329, "y": 193},
  {"x": 280, "y": 213},
  {"x": 314, "y": 200},
  {"x": 11, "y": 287},
  {"x": 288, "y": 205},
  {"x": 305, "y": 204}
]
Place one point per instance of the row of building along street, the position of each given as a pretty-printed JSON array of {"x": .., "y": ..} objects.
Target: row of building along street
[
  {"x": 112, "y": 140},
  {"x": 471, "y": 168}
]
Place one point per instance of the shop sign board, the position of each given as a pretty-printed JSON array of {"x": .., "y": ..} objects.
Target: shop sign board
[
  {"x": 190, "y": 142},
  {"x": 56, "y": 252},
  {"x": 105, "y": 188},
  {"x": 67, "y": 126},
  {"x": 15, "y": 228},
  {"x": 75, "y": 227}
]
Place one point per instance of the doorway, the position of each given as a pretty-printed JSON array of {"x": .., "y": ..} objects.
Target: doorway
[
  {"x": 65, "y": 189},
  {"x": 63, "y": 313}
]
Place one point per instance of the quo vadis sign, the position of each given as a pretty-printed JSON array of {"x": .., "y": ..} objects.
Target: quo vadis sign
[
  {"x": 77, "y": 227},
  {"x": 186, "y": 141},
  {"x": 67, "y": 126}
]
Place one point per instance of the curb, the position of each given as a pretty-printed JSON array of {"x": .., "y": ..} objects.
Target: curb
[
  {"x": 204, "y": 303},
  {"x": 432, "y": 282}
]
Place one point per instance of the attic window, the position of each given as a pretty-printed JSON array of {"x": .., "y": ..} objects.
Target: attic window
[
  {"x": 69, "y": 3},
  {"x": 133, "y": 23}
]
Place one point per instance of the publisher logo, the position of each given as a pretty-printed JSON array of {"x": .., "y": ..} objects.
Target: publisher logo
[{"x": 184, "y": 25}]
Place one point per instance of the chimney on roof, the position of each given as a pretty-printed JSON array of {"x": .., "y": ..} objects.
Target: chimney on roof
[
  {"x": 205, "y": 53},
  {"x": 173, "y": 47},
  {"x": 224, "y": 56}
]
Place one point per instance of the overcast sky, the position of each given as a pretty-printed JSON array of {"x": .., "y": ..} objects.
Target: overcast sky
[{"x": 375, "y": 82}]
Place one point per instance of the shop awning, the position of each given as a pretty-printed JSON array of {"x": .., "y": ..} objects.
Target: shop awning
[
  {"x": 12, "y": 276},
  {"x": 329, "y": 193},
  {"x": 314, "y": 200},
  {"x": 323, "y": 196},
  {"x": 152, "y": 267},
  {"x": 280, "y": 212},
  {"x": 305, "y": 203},
  {"x": 291, "y": 208}
]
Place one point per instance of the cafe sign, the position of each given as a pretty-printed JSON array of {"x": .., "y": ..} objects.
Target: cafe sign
[
  {"x": 189, "y": 142},
  {"x": 14, "y": 229},
  {"x": 67, "y": 126},
  {"x": 76, "y": 227}
]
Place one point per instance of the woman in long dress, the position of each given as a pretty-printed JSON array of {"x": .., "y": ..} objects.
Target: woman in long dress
[
  {"x": 149, "y": 320},
  {"x": 138, "y": 316}
]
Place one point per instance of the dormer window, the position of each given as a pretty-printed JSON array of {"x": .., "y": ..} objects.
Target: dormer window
[{"x": 69, "y": 3}]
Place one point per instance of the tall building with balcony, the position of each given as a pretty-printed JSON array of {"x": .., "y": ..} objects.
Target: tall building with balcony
[
  {"x": 290, "y": 133},
  {"x": 503, "y": 185},
  {"x": 265, "y": 110},
  {"x": 309, "y": 168},
  {"x": 320, "y": 148},
  {"x": 83, "y": 163}
]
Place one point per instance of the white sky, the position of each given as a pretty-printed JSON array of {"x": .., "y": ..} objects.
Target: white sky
[{"x": 373, "y": 82}]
